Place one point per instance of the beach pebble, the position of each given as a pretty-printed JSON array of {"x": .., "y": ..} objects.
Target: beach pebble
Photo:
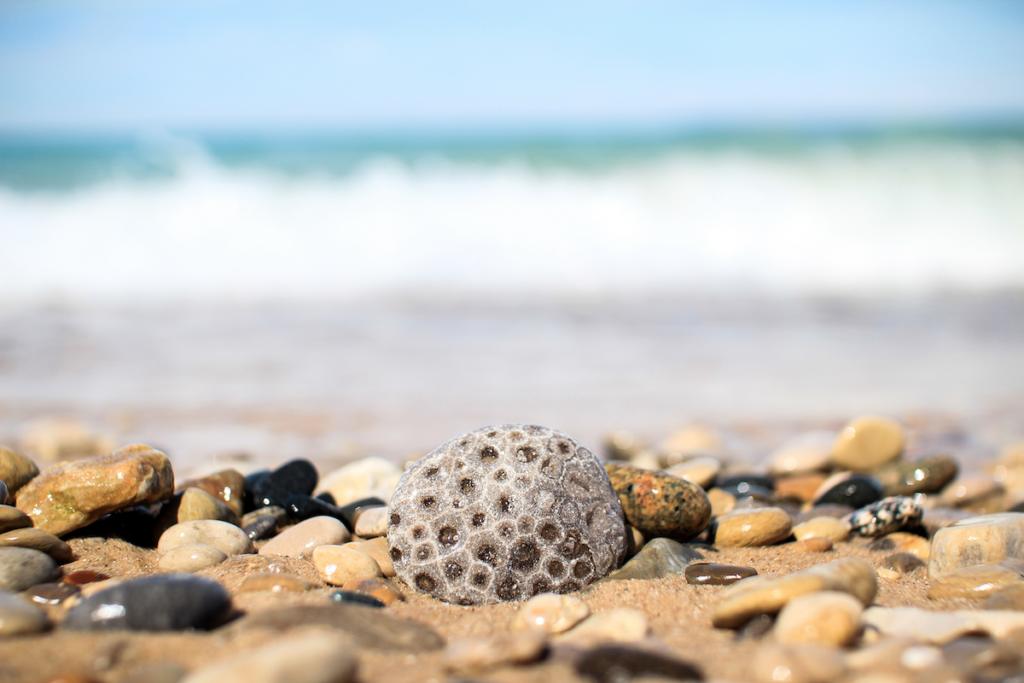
[
  {"x": 352, "y": 510},
  {"x": 659, "y": 504},
  {"x": 312, "y": 658},
  {"x": 828, "y": 618},
  {"x": 904, "y": 563},
  {"x": 275, "y": 582},
  {"x": 480, "y": 654},
  {"x": 940, "y": 627},
  {"x": 155, "y": 603},
  {"x": 939, "y": 518},
  {"x": 367, "y": 628},
  {"x": 300, "y": 506},
  {"x": 12, "y": 518},
  {"x": 301, "y": 539},
  {"x": 659, "y": 558},
  {"x": 295, "y": 477},
  {"x": 24, "y": 567},
  {"x": 805, "y": 453},
  {"x": 550, "y": 613},
  {"x": 975, "y": 582},
  {"x": 16, "y": 470},
  {"x": 380, "y": 589},
  {"x": 261, "y": 528},
  {"x": 192, "y": 505},
  {"x": 868, "y": 442},
  {"x": 618, "y": 625},
  {"x": 987, "y": 539},
  {"x": 227, "y": 538},
  {"x": 927, "y": 475},
  {"x": 885, "y": 517},
  {"x": 984, "y": 659},
  {"x": 227, "y": 486},
  {"x": 751, "y": 528},
  {"x": 688, "y": 442},
  {"x": 29, "y": 537},
  {"x": 616, "y": 663},
  {"x": 721, "y": 502},
  {"x": 1007, "y": 598},
  {"x": 377, "y": 548},
  {"x": 190, "y": 558},
  {"x": 372, "y": 522},
  {"x": 700, "y": 471},
  {"x": 813, "y": 544},
  {"x": 355, "y": 598},
  {"x": 822, "y": 527},
  {"x": 369, "y": 477},
  {"x": 503, "y": 513},
  {"x": 3, "y": 492},
  {"x": 70, "y": 496},
  {"x": 887, "y": 574},
  {"x": 801, "y": 487},
  {"x": 769, "y": 594},
  {"x": 50, "y": 593},
  {"x": 279, "y": 514},
  {"x": 83, "y": 576},
  {"x": 19, "y": 616},
  {"x": 796, "y": 664},
  {"x": 903, "y": 542},
  {"x": 970, "y": 491},
  {"x": 338, "y": 565},
  {"x": 848, "y": 488},
  {"x": 710, "y": 574}
]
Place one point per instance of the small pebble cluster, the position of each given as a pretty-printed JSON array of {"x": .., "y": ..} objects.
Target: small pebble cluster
[{"x": 329, "y": 569}]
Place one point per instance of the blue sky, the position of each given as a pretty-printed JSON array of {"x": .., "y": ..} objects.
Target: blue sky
[{"x": 112, "y": 64}]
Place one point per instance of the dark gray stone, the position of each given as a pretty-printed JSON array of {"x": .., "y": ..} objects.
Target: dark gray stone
[
  {"x": 615, "y": 663},
  {"x": 857, "y": 490},
  {"x": 21, "y": 568},
  {"x": 159, "y": 603},
  {"x": 660, "y": 557}
]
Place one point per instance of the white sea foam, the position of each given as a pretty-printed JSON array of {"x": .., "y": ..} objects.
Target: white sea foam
[{"x": 912, "y": 217}]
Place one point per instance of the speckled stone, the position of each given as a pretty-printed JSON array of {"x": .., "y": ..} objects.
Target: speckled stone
[
  {"x": 503, "y": 513},
  {"x": 301, "y": 539},
  {"x": 822, "y": 527},
  {"x": 13, "y": 518},
  {"x": 987, "y": 539},
  {"x": 338, "y": 565},
  {"x": 19, "y": 617},
  {"x": 828, "y": 618},
  {"x": 274, "y": 582},
  {"x": 659, "y": 504},
  {"x": 701, "y": 471},
  {"x": 976, "y": 582},
  {"x": 657, "y": 559},
  {"x": 618, "y": 625},
  {"x": 867, "y": 443},
  {"x": 227, "y": 486},
  {"x": 37, "y": 540},
  {"x": 16, "y": 470},
  {"x": 768, "y": 594},
  {"x": 849, "y": 488},
  {"x": 378, "y": 588},
  {"x": 24, "y": 567},
  {"x": 227, "y": 538},
  {"x": 752, "y": 528},
  {"x": 70, "y": 496},
  {"x": 190, "y": 558},
  {"x": 904, "y": 563},
  {"x": 885, "y": 517},
  {"x": 710, "y": 574},
  {"x": 155, "y": 603},
  {"x": 480, "y": 654},
  {"x": 550, "y": 613},
  {"x": 927, "y": 475},
  {"x": 312, "y": 658}
]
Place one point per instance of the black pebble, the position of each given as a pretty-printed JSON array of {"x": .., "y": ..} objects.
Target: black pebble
[
  {"x": 358, "y": 598},
  {"x": 349, "y": 511},
  {"x": 248, "y": 497},
  {"x": 300, "y": 507},
  {"x": 614, "y": 663},
  {"x": 3, "y": 492},
  {"x": 157, "y": 603},
  {"x": 857, "y": 491},
  {"x": 327, "y": 497},
  {"x": 295, "y": 477},
  {"x": 260, "y": 528},
  {"x": 750, "y": 479}
]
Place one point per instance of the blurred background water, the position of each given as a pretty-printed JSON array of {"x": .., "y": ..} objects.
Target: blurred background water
[{"x": 344, "y": 230}]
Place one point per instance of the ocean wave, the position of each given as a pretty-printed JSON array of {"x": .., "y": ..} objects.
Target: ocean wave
[{"x": 905, "y": 218}]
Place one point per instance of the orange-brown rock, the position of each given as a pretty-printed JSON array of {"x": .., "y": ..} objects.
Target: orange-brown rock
[
  {"x": 226, "y": 486},
  {"x": 660, "y": 504}
]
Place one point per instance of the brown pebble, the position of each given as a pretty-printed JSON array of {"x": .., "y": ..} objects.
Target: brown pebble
[
  {"x": 226, "y": 486},
  {"x": 51, "y": 593},
  {"x": 30, "y": 537},
  {"x": 976, "y": 582},
  {"x": 82, "y": 576},
  {"x": 801, "y": 487},
  {"x": 382, "y": 589},
  {"x": 904, "y": 563},
  {"x": 710, "y": 574},
  {"x": 275, "y": 583},
  {"x": 377, "y": 548},
  {"x": 814, "y": 544},
  {"x": 1010, "y": 597}
]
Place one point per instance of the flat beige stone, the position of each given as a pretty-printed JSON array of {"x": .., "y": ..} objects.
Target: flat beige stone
[
  {"x": 969, "y": 490},
  {"x": 975, "y": 583},
  {"x": 831, "y": 528},
  {"x": 986, "y": 539},
  {"x": 868, "y": 442},
  {"x": 619, "y": 625},
  {"x": 805, "y": 453},
  {"x": 275, "y": 582},
  {"x": 301, "y": 539},
  {"x": 550, "y": 613},
  {"x": 377, "y": 548},
  {"x": 190, "y": 558},
  {"x": 480, "y": 654},
  {"x": 309, "y": 658},
  {"x": 227, "y": 538},
  {"x": 941, "y": 627},
  {"x": 372, "y": 522},
  {"x": 701, "y": 471},
  {"x": 796, "y": 664},
  {"x": 828, "y": 618},
  {"x": 722, "y": 503},
  {"x": 769, "y": 594},
  {"x": 369, "y": 477},
  {"x": 750, "y": 528},
  {"x": 337, "y": 565}
]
